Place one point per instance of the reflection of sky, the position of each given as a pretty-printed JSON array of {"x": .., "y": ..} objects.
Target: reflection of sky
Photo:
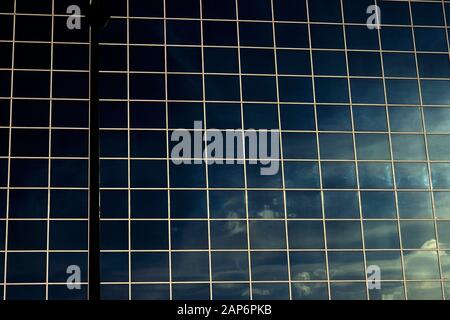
[{"x": 267, "y": 229}]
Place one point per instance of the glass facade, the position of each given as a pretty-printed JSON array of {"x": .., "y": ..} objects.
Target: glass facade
[{"x": 363, "y": 183}]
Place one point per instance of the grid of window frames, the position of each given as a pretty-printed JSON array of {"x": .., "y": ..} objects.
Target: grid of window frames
[
  {"x": 364, "y": 164},
  {"x": 44, "y": 100}
]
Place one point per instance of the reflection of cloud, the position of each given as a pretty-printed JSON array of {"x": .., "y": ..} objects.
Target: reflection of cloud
[
  {"x": 422, "y": 264},
  {"x": 266, "y": 205},
  {"x": 302, "y": 276},
  {"x": 303, "y": 289},
  {"x": 257, "y": 291},
  {"x": 379, "y": 230},
  {"x": 419, "y": 265},
  {"x": 430, "y": 244},
  {"x": 370, "y": 146},
  {"x": 268, "y": 213},
  {"x": 228, "y": 204},
  {"x": 234, "y": 226},
  {"x": 392, "y": 296},
  {"x": 298, "y": 175}
]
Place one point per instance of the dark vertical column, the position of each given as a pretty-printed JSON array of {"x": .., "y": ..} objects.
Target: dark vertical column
[
  {"x": 94, "y": 177},
  {"x": 97, "y": 18}
]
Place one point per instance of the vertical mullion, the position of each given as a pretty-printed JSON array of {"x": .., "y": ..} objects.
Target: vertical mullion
[
  {"x": 391, "y": 153},
  {"x": 49, "y": 155},
  {"x": 166, "y": 95},
  {"x": 206, "y": 150},
  {"x": 316, "y": 123},
  {"x": 281, "y": 160},
  {"x": 447, "y": 35},
  {"x": 249, "y": 255},
  {"x": 425, "y": 138},
  {"x": 129, "y": 153},
  {"x": 94, "y": 162},
  {"x": 89, "y": 167},
  {"x": 354, "y": 148},
  {"x": 5, "y": 271}
]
